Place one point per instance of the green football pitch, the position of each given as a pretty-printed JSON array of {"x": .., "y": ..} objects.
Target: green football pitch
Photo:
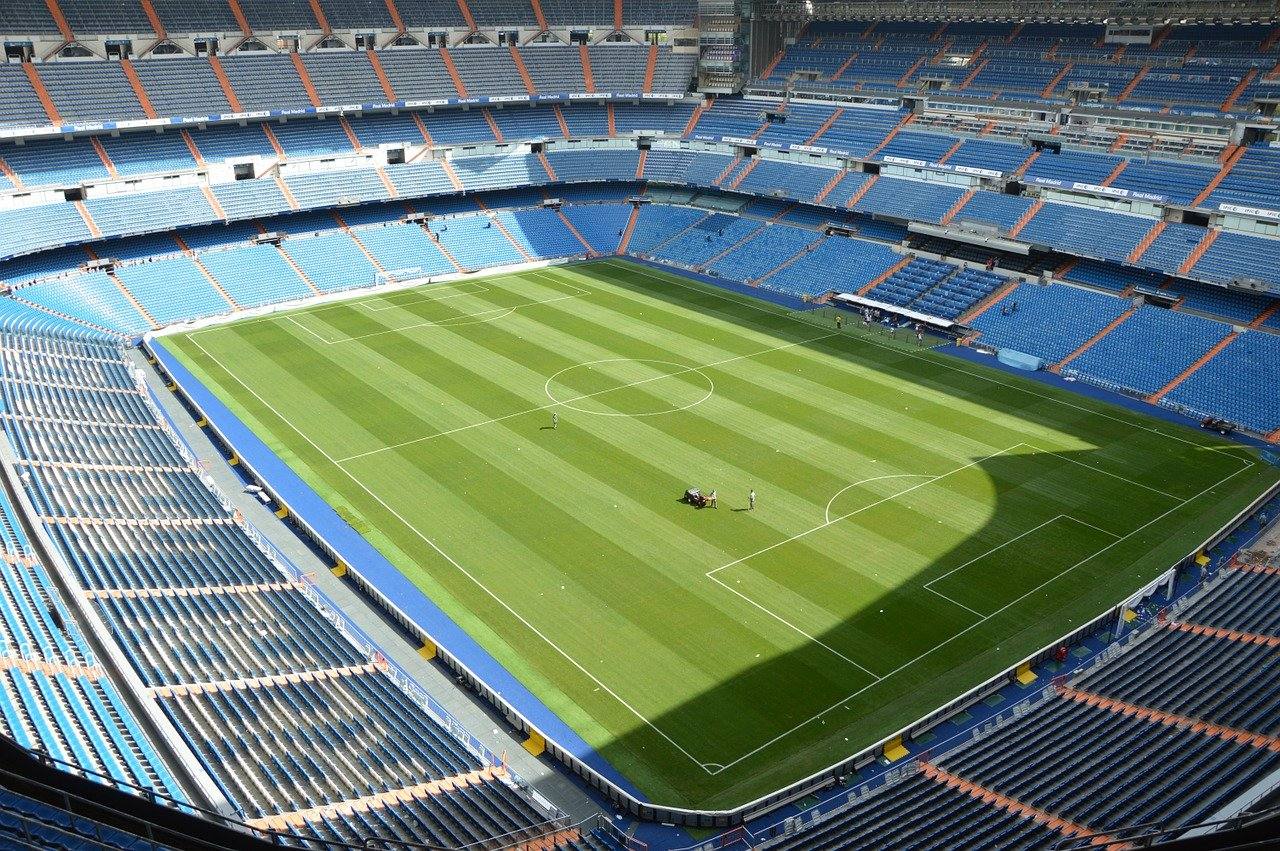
[{"x": 921, "y": 524}]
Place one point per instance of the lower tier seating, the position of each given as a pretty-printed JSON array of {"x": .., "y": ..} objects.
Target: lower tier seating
[{"x": 287, "y": 712}]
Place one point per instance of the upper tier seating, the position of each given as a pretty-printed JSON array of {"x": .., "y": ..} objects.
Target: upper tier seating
[
  {"x": 89, "y": 91},
  {"x": 1218, "y": 67},
  {"x": 265, "y": 16}
]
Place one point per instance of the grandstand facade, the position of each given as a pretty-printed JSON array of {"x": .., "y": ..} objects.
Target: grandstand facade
[{"x": 1100, "y": 199}]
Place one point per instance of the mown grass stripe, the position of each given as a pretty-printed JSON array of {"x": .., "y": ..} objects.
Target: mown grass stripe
[{"x": 529, "y": 511}]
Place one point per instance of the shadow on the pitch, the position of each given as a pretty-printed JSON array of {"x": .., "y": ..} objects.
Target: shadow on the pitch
[{"x": 787, "y": 716}]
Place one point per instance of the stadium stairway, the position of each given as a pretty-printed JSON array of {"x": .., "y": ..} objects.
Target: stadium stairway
[
  {"x": 588, "y": 78},
  {"x": 747, "y": 237},
  {"x": 884, "y": 143},
  {"x": 460, "y": 88},
  {"x": 1181, "y": 722},
  {"x": 862, "y": 191},
  {"x": 355, "y": 237},
  {"x": 830, "y": 186},
  {"x": 1094, "y": 340},
  {"x": 42, "y": 93},
  {"x": 698, "y": 112},
  {"x": 1025, "y": 219},
  {"x": 958, "y": 206},
  {"x": 224, "y": 82},
  {"x": 673, "y": 237},
  {"x": 884, "y": 276},
  {"x": 790, "y": 261},
  {"x": 1230, "y": 158},
  {"x": 591, "y": 252},
  {"x": 991, "y": 797},
  {"x": 651, "y": 65},
  {"x": 1210, "y": 236},
  {"x": 990, "y": 302},
  {"x": 629, "y": 229},
  {"x": 213, "y": 282},
  {"x": 502, "y": 229},
  {"x": 1152, "y": 235},
  {"x": 1196, "y": 365}
]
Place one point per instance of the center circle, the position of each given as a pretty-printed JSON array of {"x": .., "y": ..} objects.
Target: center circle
[{"x": 629, "y": 387}]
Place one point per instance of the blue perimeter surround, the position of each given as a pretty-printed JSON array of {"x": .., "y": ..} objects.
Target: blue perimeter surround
[{"x": 379, "y": 572}]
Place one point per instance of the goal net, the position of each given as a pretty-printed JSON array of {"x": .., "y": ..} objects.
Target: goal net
[{"x": 396, "y": 276}]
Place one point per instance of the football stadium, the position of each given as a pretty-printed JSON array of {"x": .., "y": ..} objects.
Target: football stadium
[{"x": 611, "y": 426}]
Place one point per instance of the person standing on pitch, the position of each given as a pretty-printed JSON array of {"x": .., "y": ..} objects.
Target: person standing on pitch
[
  {"x": 712, "y": 501},
  {"x": 751, "y": 500},
  {"x": 555, "y": 420}
]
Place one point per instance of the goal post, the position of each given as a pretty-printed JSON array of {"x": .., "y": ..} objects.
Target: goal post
[{"x": 397, "y": 276}]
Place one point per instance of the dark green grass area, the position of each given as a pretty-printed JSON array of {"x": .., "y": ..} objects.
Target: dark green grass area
[{"x": 922, "y": 522}]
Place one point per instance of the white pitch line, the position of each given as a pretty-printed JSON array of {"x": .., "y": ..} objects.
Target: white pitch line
[
  {"x": 992, "y": 550},
  {"x": 826, "y": 514},
  {"x": 954, "y": 602},
  {"x": 830, "y": 522},
  {"x": 936, "y": 361},
  {"x": 304, "y": 328},
  {"x": 381, "y": 304},
  {"x": 432, "y": 544},
  {"x": 1105, "y": 472},
  {"x": 361, "y": 300},
  {"x": 985, "y": 618},
  {"x": 572, "y": 399},
  {"x": 792, "y": 626},
  {"x": 1075, "y": 519},
  {"x": 453, "y": 321}
]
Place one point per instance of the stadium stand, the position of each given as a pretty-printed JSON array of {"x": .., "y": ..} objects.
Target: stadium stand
[
  {"x": 178, "y": 642},
  {"x": 301, "y": 722}
]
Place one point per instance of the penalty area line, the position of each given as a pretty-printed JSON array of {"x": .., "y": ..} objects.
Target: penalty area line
[
  {"x": 984, "y": 619},
  {"x": 711, "y": 574},
  {"x": 831, "y": 521}
]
